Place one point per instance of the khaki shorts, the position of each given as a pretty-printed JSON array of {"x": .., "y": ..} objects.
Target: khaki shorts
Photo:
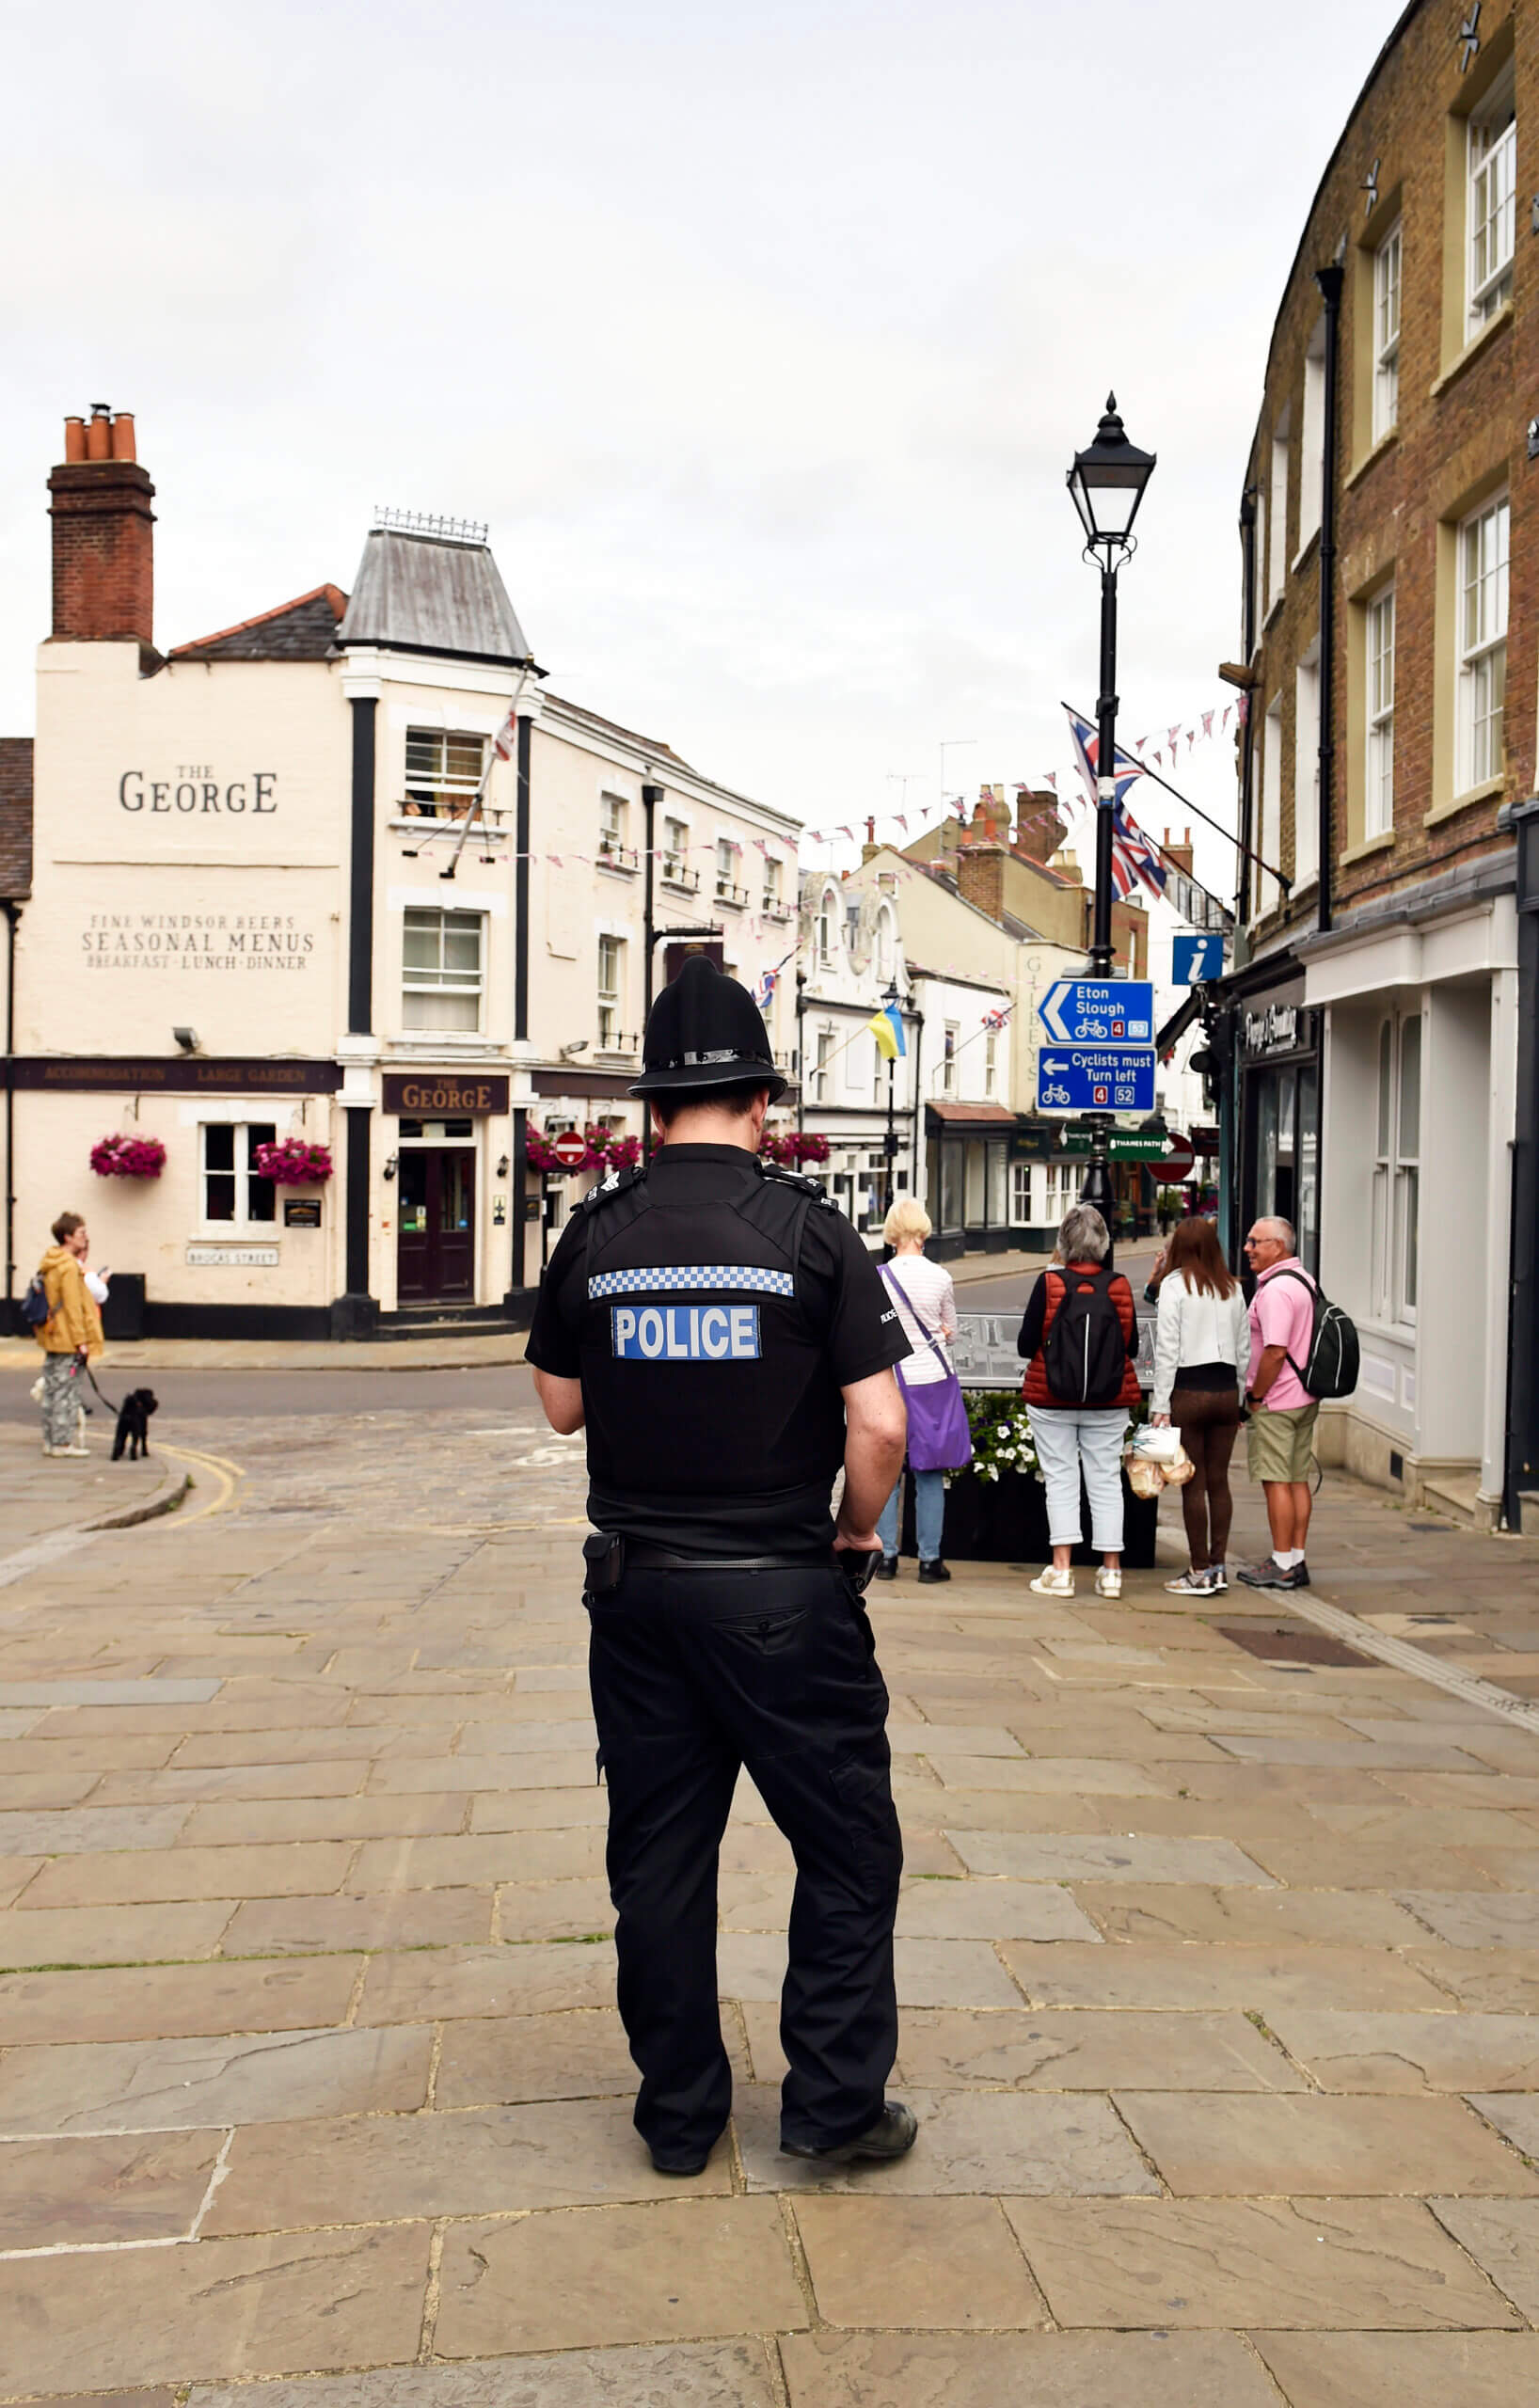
[{"x": 1280, "y": 1444}]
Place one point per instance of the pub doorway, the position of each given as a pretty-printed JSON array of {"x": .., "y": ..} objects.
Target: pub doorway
[{"x": 435, "y": 1240}]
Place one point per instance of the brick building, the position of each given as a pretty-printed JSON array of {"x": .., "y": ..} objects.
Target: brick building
[{"x": 1390, "y": 524}]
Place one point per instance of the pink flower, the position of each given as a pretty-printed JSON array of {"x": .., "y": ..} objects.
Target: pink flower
[
  {"x": 125, "y": 1157},
  {"x": 292, "y": 1163}
]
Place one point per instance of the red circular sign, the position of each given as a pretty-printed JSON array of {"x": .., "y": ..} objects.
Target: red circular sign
[
  {"x": 569, "y": 1149},
  {"x": 1178, "y": 1160}
]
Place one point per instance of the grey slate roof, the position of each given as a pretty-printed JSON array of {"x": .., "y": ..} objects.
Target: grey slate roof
[
  {"x": 15, "y": 816},
  {"x": 303, "y": 629},
  {"x": 419, "y": 594}
]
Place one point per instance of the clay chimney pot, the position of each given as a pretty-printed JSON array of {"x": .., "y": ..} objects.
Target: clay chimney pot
[
  {"x": 99, "y": 434},
  {"x": 122, "y": 436},
  {"x": 75, "y": 438}
]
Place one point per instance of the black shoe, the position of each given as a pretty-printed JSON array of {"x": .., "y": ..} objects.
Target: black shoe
[
  {"x": 680, "y": 2162},
  {"x": 886, "y": 1569},
  {"x": 1269, "y": 1573},
  {"x": 893, "y": 2134},
  {"x": 934, "y": 1571},
  {"x": 1301, "y": 1576}
]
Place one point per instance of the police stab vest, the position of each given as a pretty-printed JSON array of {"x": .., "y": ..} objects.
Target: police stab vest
[{"x": 704, "y": 1371}]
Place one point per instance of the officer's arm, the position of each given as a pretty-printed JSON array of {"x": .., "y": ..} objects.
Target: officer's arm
[
  {"x": 876, "y": 1431},
  {"x": 560, "y": 1401}
]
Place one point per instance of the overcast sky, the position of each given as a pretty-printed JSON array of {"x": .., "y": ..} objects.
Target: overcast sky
[{"x": 762, "y": 335}]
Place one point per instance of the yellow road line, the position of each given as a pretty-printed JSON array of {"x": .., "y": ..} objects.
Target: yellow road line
[{"x": 224, "y": 1474}]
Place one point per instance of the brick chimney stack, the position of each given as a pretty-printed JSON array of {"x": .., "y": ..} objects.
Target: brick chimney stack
[
  {"x": 103, "y": 542},
  {"x": 1179, "y": 856},
  {"x": 981, "y": 871},
  {"x": 1039, "y": 826}
]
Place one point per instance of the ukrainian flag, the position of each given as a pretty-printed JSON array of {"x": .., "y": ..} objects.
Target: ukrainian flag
[{"x": 886, "y": 1026}]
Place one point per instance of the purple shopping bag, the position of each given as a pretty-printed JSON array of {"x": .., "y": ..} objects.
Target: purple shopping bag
[{"x": 938, "y": 1436}]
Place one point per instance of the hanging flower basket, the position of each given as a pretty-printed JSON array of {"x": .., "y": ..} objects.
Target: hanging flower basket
[
  {"x": 292, "y": 1163},
  {"x": 606, "y": 1150},
  {"x": 124, "y": 1157},
  {"x": 794, "y": 1149}
]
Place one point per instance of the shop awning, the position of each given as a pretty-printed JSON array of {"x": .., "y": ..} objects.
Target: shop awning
[{"x": 946, "y": 1115}]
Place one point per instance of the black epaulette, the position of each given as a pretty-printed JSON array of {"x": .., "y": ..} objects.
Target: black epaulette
[
  {"x": 619, "y": 1183},
  {"x": 811, "y": 1188}
]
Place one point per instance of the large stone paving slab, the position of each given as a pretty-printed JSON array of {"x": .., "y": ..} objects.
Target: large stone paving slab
[
  {"x": 215, "y": 2309},
  {"x": 57, "y": 2193},
  {"x": 1492, "y": 1921},
  {"x": 1031, "y": 2370},
  {"x": 578, "y": 2277},
  {"x": 1085, "y": 2049},
  {"x": 1040, "y": 1858},
  {"x": 930, "y": 1972},
  {"x": 1502, "y": 2236},
  {"x": 1169, "y": 1912},
  {"x": 1387, "y": 2370},
  {"x": 970, "y": 2142},
  {"x": 936, "y": 2264},
  {"x": 419, "y": 1986},
  {"x": 1410, "y": 2052},
  {"x": 937, "y": 1910},
  {"x": 489, "y": 2161},
  {"x": 1239, "y": 1975},
  {"x": 1324, "y": 2146},
  {"x": 111, "y": 1936},
  {"x": 500, "y": 2060},
  {"x": 162, "y": 2085},
  {"x": 676, "y": 2374},
  {"x": 1218, "y": 2262},
  {"x": 171, "y": 2001}
]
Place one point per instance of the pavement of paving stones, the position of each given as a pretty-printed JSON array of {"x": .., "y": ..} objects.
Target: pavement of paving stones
[{"x": 1219, "y": 1973}]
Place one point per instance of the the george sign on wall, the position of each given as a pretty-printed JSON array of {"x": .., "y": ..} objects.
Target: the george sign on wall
[{"x": 442, "y": 1094}]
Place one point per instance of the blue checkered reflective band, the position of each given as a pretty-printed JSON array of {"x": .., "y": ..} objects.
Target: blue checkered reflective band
[
  {"x": 691, "y": 1278},
  {"x": 685, "y": 1332}
]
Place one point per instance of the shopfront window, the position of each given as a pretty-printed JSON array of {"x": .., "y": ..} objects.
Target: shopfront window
[
  {"x": 1407, "y": 1165},
  {"x": 999, "y": 1174},
  {"x": 977, "y": 1166},
  {"x": 1397, "y": 1171},
  {"x": 951, "y": 1187},
  {"x": 1020, "y": 1195}
]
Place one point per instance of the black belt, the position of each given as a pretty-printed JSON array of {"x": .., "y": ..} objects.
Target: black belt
[{"x": 642, "y": 1558}]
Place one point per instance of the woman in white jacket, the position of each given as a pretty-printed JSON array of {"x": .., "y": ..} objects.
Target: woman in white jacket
[{"x": 1201, "y": 1357}]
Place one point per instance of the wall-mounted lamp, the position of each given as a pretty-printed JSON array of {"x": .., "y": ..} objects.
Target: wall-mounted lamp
[
  {"x": 186, "y": 1038},
  {"x": 569, "y": 1052},
  {"x": 503, "y": 1167},
  {"x": 388, "y": 1169}
]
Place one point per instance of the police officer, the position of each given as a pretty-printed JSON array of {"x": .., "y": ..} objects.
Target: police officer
[{"x": 723, "y": 1335}]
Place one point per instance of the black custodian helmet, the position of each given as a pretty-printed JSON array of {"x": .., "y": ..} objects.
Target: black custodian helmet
[{"x": 706, "y": 1031}]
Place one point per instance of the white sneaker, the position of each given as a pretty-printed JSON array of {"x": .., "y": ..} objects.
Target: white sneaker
[
  {"x": 1051, "y": 1582},
  {"x": 66, "y": 1450},
  {"x": 1109, "y": 1584}
]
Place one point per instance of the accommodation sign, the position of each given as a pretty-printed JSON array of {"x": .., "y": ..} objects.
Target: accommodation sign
[{"x": 442, "y": 1094}]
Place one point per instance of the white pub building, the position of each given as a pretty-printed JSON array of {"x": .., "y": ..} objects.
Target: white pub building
[{"x": 261, "y": 913}]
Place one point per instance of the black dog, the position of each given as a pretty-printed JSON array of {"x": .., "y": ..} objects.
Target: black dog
[{"x": 134, "y": 1423}]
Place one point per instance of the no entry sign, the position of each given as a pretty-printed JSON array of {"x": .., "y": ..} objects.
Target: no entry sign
[{"x": 569, "y": 1149}]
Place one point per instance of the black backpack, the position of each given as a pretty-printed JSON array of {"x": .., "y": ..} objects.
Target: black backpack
[
  {"x": 1333, "y": 1355},
  {"x": 36, "y": 1307},
  {"x": 1086, "y": 1354}
]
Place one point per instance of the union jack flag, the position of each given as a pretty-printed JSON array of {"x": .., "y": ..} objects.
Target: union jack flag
[
  {"x": 1133, "y": 857},
  {"x": 995, "y": 1020},
  {"x": 1086, "y": 744}
]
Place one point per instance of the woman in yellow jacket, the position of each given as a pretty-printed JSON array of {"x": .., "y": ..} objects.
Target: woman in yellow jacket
[{"x": 69, "y": 1338}]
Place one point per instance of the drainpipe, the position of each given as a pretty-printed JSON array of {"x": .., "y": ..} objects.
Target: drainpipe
[
  {"x": 1247, "y": 648},
  {"x": 1521, "y": 1497},
  {"x": 521, "y": 991},
  {"x": 651, "y": 797},
  {"x": 801, "y": 1050},
  {"x": 918, "y": 1019},
  {"x": 1330, "y": 281},
  {"x": 13, "y": 918}
]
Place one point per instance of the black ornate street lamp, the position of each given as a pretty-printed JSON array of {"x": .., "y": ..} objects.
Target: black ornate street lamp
[
  {"x": 891, "y": 1003},
  {"x": 1106, "y": 485}
]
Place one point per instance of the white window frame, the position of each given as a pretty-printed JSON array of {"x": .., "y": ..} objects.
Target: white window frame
[
  {"x": 1386, "y": 274},
  {"x": 416, "y": 980},
  {"x": 1312, "y": 443},
  {"x": 990, "y": 1064},
  {"x": 886, "y": 957},
  {"x": 675, "y": 849},
  {"x": 828, "y": 923},
  {"x": 772, "y": 869},
  {"x": 1395, "y": 1226},
  {"x": 1021, "y": 1185},
  {"x": 1490, "y": 204},
  {"x": 822, "y": 1068},
  {"x": 432, "y": 788},
  {"x": 613, "y": 814},
  {"x": 1269, "y": 808},
  {"x": 1379, "y": 715},
  {"x": 1482, "y": 573},
  {"x": 1306, "y": 769},
  {"x": 244, "y": 1136},
  {"x": 1276, "y": 515},
  {"x": 609, "y": 983},
  {"x": 951, "y": 1043}
]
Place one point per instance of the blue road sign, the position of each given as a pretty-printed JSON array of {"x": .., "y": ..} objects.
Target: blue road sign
[
  {"x": 1195, "y": 957},
  {"x": 1095, "y": 1078},
  {"x": 1099, "y": 1012}
]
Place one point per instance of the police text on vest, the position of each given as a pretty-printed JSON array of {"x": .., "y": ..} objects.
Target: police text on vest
[{"x": 685, "y": 1332}]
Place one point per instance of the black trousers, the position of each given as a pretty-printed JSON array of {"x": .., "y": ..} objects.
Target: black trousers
[{"x": 695, "y": 1675}]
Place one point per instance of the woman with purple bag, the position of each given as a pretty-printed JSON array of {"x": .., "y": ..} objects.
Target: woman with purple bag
[{"x": 938, "y": 1438}]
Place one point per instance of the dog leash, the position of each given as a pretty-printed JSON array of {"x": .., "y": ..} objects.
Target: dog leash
[{"x": 113, "y": 1409}]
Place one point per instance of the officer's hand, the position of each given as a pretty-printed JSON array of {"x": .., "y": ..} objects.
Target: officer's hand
[{"x": 856, "y": 1541}]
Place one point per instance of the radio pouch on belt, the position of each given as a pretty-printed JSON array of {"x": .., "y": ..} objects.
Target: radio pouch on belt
[{"x": 604, "y": 1562}]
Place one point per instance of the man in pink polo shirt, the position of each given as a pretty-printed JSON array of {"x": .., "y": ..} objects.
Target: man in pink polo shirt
[{"x": 1282, "y": 1411}]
